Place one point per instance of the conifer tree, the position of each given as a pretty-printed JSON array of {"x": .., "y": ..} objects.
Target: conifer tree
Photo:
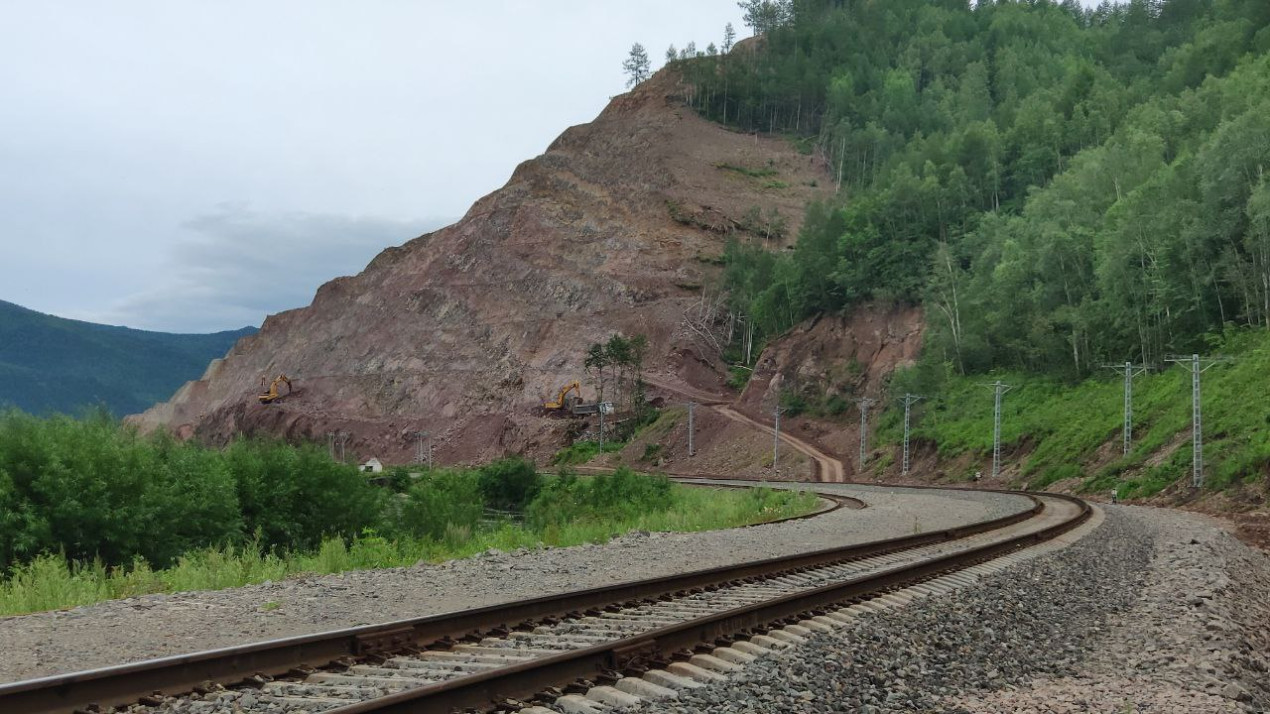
[
  {"x": 637, "y": 66},
  {"x": 765, "y": 15}
]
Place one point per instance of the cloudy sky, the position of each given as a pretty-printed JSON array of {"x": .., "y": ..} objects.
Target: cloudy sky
[{"x": 193, "y": 167}]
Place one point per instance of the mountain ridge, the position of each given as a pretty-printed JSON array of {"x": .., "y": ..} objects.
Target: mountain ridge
[{"x": 50, "y": 363}]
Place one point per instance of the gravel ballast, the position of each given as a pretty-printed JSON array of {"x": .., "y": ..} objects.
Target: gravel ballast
[
  {"x": 160, "y": 625},
  {"x": 1155, "y": 611}
]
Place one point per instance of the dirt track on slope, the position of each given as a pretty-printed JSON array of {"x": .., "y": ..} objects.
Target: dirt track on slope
[{"x": 828, "y": 469}]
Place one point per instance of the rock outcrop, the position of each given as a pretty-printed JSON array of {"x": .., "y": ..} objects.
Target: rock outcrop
[{"x": 617, "y": 228}]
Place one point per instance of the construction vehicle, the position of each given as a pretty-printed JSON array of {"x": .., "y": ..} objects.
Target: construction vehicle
[
  {"x": 272, "y": 395},
  {"x": 564, "y": 401},
  {"x": 567, "y": 403}
]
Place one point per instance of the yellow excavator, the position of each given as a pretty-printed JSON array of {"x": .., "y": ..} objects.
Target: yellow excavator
[
  {"x": 563, "y": 401},
  {"x": 572, "y": 403},
  {"x": 272, "y": 395}
]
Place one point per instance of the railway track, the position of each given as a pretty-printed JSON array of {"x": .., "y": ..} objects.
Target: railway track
[{"x": 523, "y": 653}]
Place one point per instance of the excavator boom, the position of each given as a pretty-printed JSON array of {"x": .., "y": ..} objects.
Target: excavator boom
[
  {"x": 560, "y": 402},
  {"x": 272, "y": 395}
]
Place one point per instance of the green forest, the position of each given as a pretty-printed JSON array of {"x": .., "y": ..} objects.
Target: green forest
[
  {"x": 51, "y": 364},
  {"x": 1060, "y": 187}
]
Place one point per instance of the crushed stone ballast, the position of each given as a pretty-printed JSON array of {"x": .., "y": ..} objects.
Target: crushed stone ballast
[{"x": 515, "y": 653}]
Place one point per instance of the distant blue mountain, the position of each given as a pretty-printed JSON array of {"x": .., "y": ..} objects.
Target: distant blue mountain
[{"x": 51, "y": 364}]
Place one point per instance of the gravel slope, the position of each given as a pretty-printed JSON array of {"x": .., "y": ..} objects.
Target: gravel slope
[
  {"x": 160, "y": 625},
  {"x": 1156, "y": 611}
]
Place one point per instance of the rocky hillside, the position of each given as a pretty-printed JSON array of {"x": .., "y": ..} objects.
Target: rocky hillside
[{"x": 617, "y": 228}]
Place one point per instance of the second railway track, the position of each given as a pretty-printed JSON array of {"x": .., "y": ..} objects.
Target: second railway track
[{"x": 530, "y": 651}]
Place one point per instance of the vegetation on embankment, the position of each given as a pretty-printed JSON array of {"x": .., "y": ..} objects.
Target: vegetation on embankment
[
  {"x": 1060, "y": 186},
  {"x": 1059, "y": 430},
  {"x": 90, "y": 510}
]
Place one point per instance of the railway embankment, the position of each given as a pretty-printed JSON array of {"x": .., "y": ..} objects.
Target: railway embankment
[
  {"x": 159, "y": 625},
  {"x": 1154, "y": 611}
]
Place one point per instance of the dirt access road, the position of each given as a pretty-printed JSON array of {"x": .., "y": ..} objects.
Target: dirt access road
[{"x": 828, "y": 469}]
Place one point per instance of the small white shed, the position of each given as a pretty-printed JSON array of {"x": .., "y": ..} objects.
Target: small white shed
[{"x": 372, "y": 465}]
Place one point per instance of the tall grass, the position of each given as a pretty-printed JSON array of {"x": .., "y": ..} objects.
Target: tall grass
[
  {"x": 603, "y": 507},
  {"x": 1058, "y": 428}
]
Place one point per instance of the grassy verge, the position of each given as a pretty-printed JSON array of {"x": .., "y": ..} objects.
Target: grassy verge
[
  {"x": 568, "y": 511},
  {"x": 1074, "y": 430}
]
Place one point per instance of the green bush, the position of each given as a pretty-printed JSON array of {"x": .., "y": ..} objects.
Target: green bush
[
  {"x": 510, "y": 484},
  {"x": 622, "y": 494},
  {"x": 836, "y": 405},
  {"x": 437, "y": 519},
  {"x": 295, "y": 496},
  {"x": 90, "y": 488},
  {"x": 793, "y": 403},
  {"x": 580, "y": 452},
  {"x": 440, "y": 501},
  {"x": 651, "y": 452}
]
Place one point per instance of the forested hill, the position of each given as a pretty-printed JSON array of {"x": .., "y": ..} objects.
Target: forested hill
[
  {"x": 1061, "y": 187},
  {"x": 50, "y": 364}
]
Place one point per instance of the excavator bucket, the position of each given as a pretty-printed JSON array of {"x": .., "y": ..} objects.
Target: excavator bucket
[{"x": 272, "y": 395}]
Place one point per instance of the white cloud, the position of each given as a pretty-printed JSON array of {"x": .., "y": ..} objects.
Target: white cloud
[
  {"x": 120, "y": 120},
  {"x": 234, "y": 266}
]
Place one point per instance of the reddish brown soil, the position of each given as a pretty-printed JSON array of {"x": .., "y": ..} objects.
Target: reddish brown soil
[{"x": 617, "y": 228}]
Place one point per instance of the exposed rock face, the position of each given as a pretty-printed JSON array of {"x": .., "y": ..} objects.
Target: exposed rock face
[
  {"x": 852, "y": 354},
  {"x": 615, "y": 229},
  {"x": 848, "y": 356}
]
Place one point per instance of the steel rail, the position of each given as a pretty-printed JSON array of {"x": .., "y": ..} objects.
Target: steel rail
[
  {"x": 639, "y": 653},
  {"x": 128, "y": 683}
]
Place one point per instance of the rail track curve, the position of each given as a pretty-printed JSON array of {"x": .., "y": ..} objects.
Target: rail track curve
[{"x": 525, "y": 652}]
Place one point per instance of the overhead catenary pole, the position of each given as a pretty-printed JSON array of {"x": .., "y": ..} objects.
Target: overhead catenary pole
[
  {"x": 864, "y": 403},
  {"x": 422, "y": 455},
  {"x": 1130, "y": 371},
  {"x": 692, "y": 451},
  {"x": 909, "y": 400},
  {"x": 1000, "y": 388},
  {"x": 776, "y": 439},
  {"x": 343, "y": 439},
  {"x": 1197, "y": 367}
]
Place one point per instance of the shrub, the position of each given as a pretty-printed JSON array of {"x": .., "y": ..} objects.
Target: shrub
[
  {"x": 90, "y": 488},
  {"x": 793, "y": 403},
  {"x": 580, "y": 452},
  {"x": 510, "y": 484},
  {"x": 739, "y": 376},
  {"x": 558, "y": 502},
  {"x": 626, "y": 492},
  {"x": 651, "y": 452},
  {"x": 620, "y": 495},
  {"x": 296, "y": 496},
  {"x": 441, "y": 501}
]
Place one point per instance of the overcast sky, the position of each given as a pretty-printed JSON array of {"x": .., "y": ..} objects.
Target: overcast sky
[{"x": 193, "y": 166}]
